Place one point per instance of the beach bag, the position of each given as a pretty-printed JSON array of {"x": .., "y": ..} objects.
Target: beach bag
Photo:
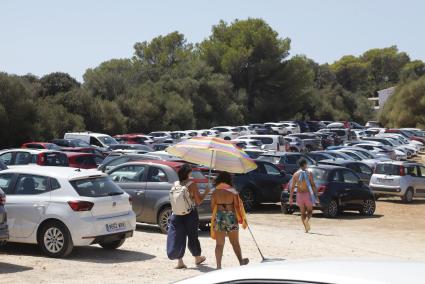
[{"x": 181, "y": 203}]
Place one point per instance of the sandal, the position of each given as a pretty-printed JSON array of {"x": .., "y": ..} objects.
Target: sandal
[{"x": 203, "y": 258}]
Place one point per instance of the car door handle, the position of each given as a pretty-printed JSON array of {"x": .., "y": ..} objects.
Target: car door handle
[{"x": 140, "y": 192}]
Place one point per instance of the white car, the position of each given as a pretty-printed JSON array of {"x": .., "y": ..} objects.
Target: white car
[
  {"x": 292, "y": 128},
  {"x": 317, "y": 271},
  {"x": 403, "y": 179},
  {"x": 59, "y": 208},
  {"x": 160, "y": 136},
  {"x": 270, "y": 142},
  {"x": 250, "y": 143},
  {"x": 227, "y": 132},
  {"x": 99, "y": 140},
  {"x": 278, "y": 128}
]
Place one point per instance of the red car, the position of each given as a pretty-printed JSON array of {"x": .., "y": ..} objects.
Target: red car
[
  {"x": 41, "y": 145},
  {"x": 83, "y": 160}
]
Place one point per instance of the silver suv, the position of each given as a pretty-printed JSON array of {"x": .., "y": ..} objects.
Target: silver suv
[{"x": 403, "y": 179}]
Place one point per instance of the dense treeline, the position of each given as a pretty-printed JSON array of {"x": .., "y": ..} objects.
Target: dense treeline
[{"x": 241, "y": 73}]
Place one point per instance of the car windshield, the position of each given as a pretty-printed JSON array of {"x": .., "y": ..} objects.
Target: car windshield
[
  {"x": 80, "y": 143},
  {"x": 96, "y": 187},
  {"x": 56, "y": 159},
  {"x": 387, "y": 169},
  {"x": 157, "y": 134},
  {"x": 107, "y": 140},
  {"x": 270, "y": 159}
]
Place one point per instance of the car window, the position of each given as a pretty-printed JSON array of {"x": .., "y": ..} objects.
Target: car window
[
  {"x": 292, "y": 159},
  {"x": 157, "y": 175},
  {"x": 94, "y": 141},
  {"x": 269, "y": 159},
  {"x": 265, "y": 140},
  {"x": 54, "y": 184},
  {"x": 7, "y": 158},
  {"x": 412, "y": 171},
  {"x": 96, "y": 187},
  {"x": 56, "y": 159},
  {"x": 34, "y": 146},
  {"x": 5, "y": 180},
  {"x": 86, "y": 161},
  {"x": 22, "y": 158},
  {"x": 422, "y": 170},
  {"x": 270, "y": 170},
  {"x": 31, "y": 184},
  {"x": 131, "y": 173},
  {"x": 336, "y": 176},
  {"x": 350, "y": 177},
  {"x": 365, "y": 169},
  {"x": 354, "y": 167}
]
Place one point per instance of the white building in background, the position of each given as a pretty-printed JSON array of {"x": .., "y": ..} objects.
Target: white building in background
[{"x": 382, "y": 97}]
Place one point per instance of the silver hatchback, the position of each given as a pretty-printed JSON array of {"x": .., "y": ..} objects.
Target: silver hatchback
[{"x": 149, "y": 183}]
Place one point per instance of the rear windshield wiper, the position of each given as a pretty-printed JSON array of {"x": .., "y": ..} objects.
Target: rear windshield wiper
[{"x": 115, "y": 193}]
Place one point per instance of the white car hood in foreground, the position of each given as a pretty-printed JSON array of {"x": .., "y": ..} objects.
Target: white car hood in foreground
[{"x": 321, "y": 271}]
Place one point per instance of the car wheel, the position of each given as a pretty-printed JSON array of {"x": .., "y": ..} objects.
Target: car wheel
[
  {"x": 331, "y": 210},
  {"x": 164, "y": 219},
  {"x": 204, "y": 227},
  {"x": 287, "y": 209},
  {"x": 248, "y": 198},
  {"x": 369, "y": 207},
  {"x": 55, "y": 240},
  {"x": 112, "y": 245},
  {"x": 408, "y": 196}
]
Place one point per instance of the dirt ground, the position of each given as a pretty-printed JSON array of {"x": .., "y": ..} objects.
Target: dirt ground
[{"x": 396, "y": 231}]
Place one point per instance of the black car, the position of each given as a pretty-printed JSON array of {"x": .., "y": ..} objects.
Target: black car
[
  {"x": 315, "y": 125},
  {"x": 361, "y": 169},
  {"x": 339, "y": 189},
  {"x": 286, "y": 161},
  {"x": 264, "y": 184},
  {"x": 262, "y": 129},
  {"x": 303, "y": 125}
]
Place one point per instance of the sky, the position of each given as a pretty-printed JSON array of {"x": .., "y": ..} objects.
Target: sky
[{"x": 45, "y": 36}]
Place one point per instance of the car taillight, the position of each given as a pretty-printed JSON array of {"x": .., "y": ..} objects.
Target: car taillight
[
  {"x": 130, "y": 199},
  {"x": 2, "y": 199},
  {"x": 78, "y": 205},
  {"x": 402, "y": 171},
  {"x": 40, "y": 159},
  {"x": 322, "y": 189},
  {"x": 285, "y": 186}
]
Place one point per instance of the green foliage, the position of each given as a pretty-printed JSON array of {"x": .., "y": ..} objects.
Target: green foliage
[
  {"x": 57, "y": 82},
  {"x": 405, "y": 108}
]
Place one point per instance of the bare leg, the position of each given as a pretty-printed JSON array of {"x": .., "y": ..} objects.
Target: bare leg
[
  {"x": 304, "y": 217},
  {"x": 220, "y": 239},
  {"x": 309, "y": 215},
  {"x": 234, "y": 240}
]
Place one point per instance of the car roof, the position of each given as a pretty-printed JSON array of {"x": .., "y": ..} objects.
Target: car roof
[
  {"x": 30, "y": 150},
  {"x": 401, "y": 163},
  {"x": 56, "y": 172},
  {"x": 76, "y": 154},
  {"x": 159, "y": 162},
  {"x": 280, "y": 154},
  {"x": 327, "y": 167},
  {"x": 94, "y": 134},
  {"x": 340, "y": 162}
]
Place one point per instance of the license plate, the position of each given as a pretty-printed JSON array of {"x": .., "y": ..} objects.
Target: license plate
[
  {"x": 115, "y": 227},
  {"x": 381, "y": 180}
]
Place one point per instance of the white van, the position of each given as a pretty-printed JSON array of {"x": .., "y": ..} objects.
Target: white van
[
  {"x": 94, "y": 139},
  {"x": 270, "y": 142}
]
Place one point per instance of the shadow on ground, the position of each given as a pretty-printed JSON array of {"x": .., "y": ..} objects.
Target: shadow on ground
[
  {"x": 12, "y": 268},
  {"x": 92, "y": 254}
]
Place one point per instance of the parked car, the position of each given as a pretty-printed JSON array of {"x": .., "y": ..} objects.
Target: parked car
[
  {"x": 339, "y": 189},
  {"x": 249, "y": 143},
  {"x": 59, "y": 208},
  {"x": 71, "y": 143},
  {"x": 320, "y": 155},
  {"x": 361, "y": 169},
  {"x": 118, "y": 158},
  {"x": 41, "y": 157},
  {"x": 327, "y": 139},
  {"x": 83, "y": 160},
  {"x": 372, "y": 123},
  {"x": 41, "y": 145},
  {"x": 134, "y": 138},
  {"x": 285, "y": 161},
  {"x": 303, "y": 126},
  {"x": 342, "y": 133},
  {"x": 403, "y": 179},
  {"x": 295, "y": 144},
  {"x": 227, "y": 132},
  {"x": 149, "y": 184},
  {"x": 315, "y": 125},
  {"x": 160, "y": 136},
  {"x": 270, "y": 142},
  {"x": 94, "y": 139},
  {"x": 254, "y": 153},
  {"x": 359, "y": 156},
  {"x": 138, "y": 147},
  {"x": 160, "y": 146},
  {"x": 311, "y": 141},
  {"x": 408, "y": 134},
  {"x": 291, "y": 127},
  {"x": 4, "y": 229},
  {"x": 378, "y": 149},
  {"x": 278, "y": 128},
  {"x": 264, "y": 184}
]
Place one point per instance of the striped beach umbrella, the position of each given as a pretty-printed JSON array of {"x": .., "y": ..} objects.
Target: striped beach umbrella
[{"x": 214, "y": 153}]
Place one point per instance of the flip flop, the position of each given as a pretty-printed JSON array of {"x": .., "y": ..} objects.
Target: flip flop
[
  {"x": 201, "y": 261},
  {"x": 180, "y": 267}
]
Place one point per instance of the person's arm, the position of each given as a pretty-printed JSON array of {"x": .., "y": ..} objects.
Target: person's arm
[
  {"x": 291, "y": 191},
  {"x": 197, "y": 197},
  {"x": 213, "y": 202}
]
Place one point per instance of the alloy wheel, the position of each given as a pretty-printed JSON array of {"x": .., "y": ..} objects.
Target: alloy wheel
[
  {"x": 164, "y": 219},
  {"x": 369, "y": 207},
  {"x": 248, "y": 198},
  {"x": 54, "y": 240},
  {"x": 333, "y": 208}
]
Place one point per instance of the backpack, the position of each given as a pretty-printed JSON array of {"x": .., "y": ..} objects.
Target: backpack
[{"x": 181, "y": 203}]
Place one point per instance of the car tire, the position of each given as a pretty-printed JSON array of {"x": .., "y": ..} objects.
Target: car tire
[
  {"x": 331, "y": 209},
  {"x": 164, "y": 219},
  {"x": 287, "y": 209},
  {"x": 408, "y": 196},
  {"x": 55, "y": 240},
  {"x": 112, "y": 245},
  {"x": 368, "y": 207},
  {"x": 248, "y": 198},
  {"x": 205, "y": 227}
]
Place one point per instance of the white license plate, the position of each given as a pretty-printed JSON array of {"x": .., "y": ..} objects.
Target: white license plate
[
  {"x": 381, "y": 180},
  {"x": 115, "y": 227}
]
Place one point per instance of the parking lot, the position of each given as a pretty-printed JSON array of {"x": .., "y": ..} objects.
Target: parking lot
[{"x": 396, "y": 231}]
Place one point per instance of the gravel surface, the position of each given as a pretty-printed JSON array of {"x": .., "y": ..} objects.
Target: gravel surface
[{"x": 396, "y": 231}]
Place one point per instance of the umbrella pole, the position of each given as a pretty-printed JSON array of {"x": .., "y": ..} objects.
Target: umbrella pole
[{"x": 211, "y": 163}]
